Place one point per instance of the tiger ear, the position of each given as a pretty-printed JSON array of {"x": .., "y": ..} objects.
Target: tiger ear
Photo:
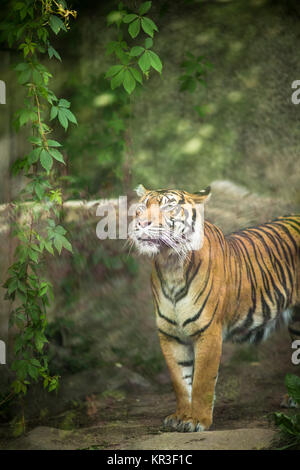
[
  {"x": 141, "y": 190},
  {"x": 202, "y": 197}
]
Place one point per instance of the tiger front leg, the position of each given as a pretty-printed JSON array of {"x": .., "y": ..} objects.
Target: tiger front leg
[
  {"x": 180, "y": 361},
  {"x": 207, "y": 353}
]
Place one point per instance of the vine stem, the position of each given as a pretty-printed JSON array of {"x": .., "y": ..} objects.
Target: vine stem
[
  {"x": 39, "y": 118},
  {"x": 9, "y": 396}
]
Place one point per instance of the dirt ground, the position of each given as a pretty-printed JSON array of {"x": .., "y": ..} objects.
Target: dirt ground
[{"x": 249, "y": 391}]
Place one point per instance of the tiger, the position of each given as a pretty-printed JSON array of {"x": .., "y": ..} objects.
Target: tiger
[{"x": 209, "y": 287}]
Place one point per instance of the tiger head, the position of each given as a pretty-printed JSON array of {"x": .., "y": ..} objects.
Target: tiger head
[{"x": 168, "y": 220}]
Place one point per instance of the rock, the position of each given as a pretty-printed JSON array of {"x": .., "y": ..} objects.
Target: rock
[
  {"x": 134, "y": 379},
  {"x": 44, "y": 438},
  {"x": 47, "y": 438},
  {"x": 235, "y": 439}
]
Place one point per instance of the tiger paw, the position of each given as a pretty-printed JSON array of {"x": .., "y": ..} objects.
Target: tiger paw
[
  {"x": 172, "y": 421},
  {"x": 184, "y": 424},
  {"x": 191, "y": 425}
]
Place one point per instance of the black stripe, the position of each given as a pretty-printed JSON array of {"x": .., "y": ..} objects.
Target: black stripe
[
  {"x": 290, "y": 223},
  {"x": 279, "y": 296},
  {"x": 199, "y": 332},
  {"x": 180, "y": 341},
  {"x": 184, "y": 290},
  {"x": 249, "y": 263},
  {"x": 247, "y": 323},
  {"x": 195, "y": 317},
  {"x": 294, "y": 331},
  {"x": 162, "y": 282},
  {"x": 265, "y": 308},
  {"x": 185, "y": 363},
  {"x": 207, "y": 275},
  {"x": 286, "y": 230},
  {"x": 172, "y": 322},
  {"x": 292, "y": 257}
]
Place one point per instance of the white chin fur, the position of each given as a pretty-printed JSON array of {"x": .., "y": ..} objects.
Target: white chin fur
[{"x": 147, "y": 249}]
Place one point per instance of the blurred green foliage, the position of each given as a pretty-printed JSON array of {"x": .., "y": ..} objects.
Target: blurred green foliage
[
  {"x": 240, "y": 126},
  {"x": 289, "y": 424}
]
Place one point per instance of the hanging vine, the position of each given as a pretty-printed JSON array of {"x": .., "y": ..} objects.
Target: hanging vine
[{"x": 28, "y": 29}]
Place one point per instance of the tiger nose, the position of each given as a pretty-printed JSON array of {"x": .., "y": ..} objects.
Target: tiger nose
[{"x": 144, "y": 223}]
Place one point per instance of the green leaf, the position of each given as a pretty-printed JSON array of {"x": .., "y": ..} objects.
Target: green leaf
[
  {"x": 39, "y": 190},
  {"x": 145, "y": 7},
  {"x": 58, "y": 243},
  {"x": 129, "y": 18},
  {"x": 66, "y": 244},
  {"x": 34, "y": 256},
  {"x": 42, "y": 34},
  {"x": 124, "y": 57},
  {"x": 285, "y": 423},
  {"x": 48, "y": 246},
  {"x": 22, "y": 66},
  {"x": 46, "y": 160},
  {"x": 51, "y": 223},
  {"x": 70, "y": 116},
  {"x": 35, "y": 362},
  {"x": 12, "y": 286},
  {"x": 34, "y": 155},
  {"x": 62, "y": 118},
  {"x": 26, "y": 115},
  {"x": 128, "y": 82},
  {"x": 117, "y": 80},
  {"x": 155, "y": 61},
  {"x": 24, "y": 76},
  {"x": 35, "y": 140},
  {"x": 292, "y": 383},
  {"x": 113, "y": 70},
  {"x": 149, "y": 26},
  {"x": 56, "y": 24},
  {"x": 64, "y": 103},
  {"x": 57, "y": 155},
  {"x": 144, "y": 62},
  {"x": 40, "y": 340},
  {"x": 134, "y": 28},
  {"x": 61, "y": 230},
  {"x": 53, "y": 143},
  {"x": 53, "y": 385},
  {"x": 136, "y": 51},
  {"x": 136, "y": 74},
  {"x": 52, "y": 52},
  {"x": 53, "y": 112}
]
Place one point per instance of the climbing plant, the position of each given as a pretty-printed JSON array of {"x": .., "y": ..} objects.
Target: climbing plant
[
  {"x": 132, "y": 59},
  {"x": 28, "y": 29},
  {"x": 133, "y": 64},
  {"x": 194, "y": 70},
  {"x": 289, "y": 424}
]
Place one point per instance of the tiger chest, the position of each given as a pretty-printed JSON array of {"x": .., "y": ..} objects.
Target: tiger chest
[{"x": 174, "y": 302}]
